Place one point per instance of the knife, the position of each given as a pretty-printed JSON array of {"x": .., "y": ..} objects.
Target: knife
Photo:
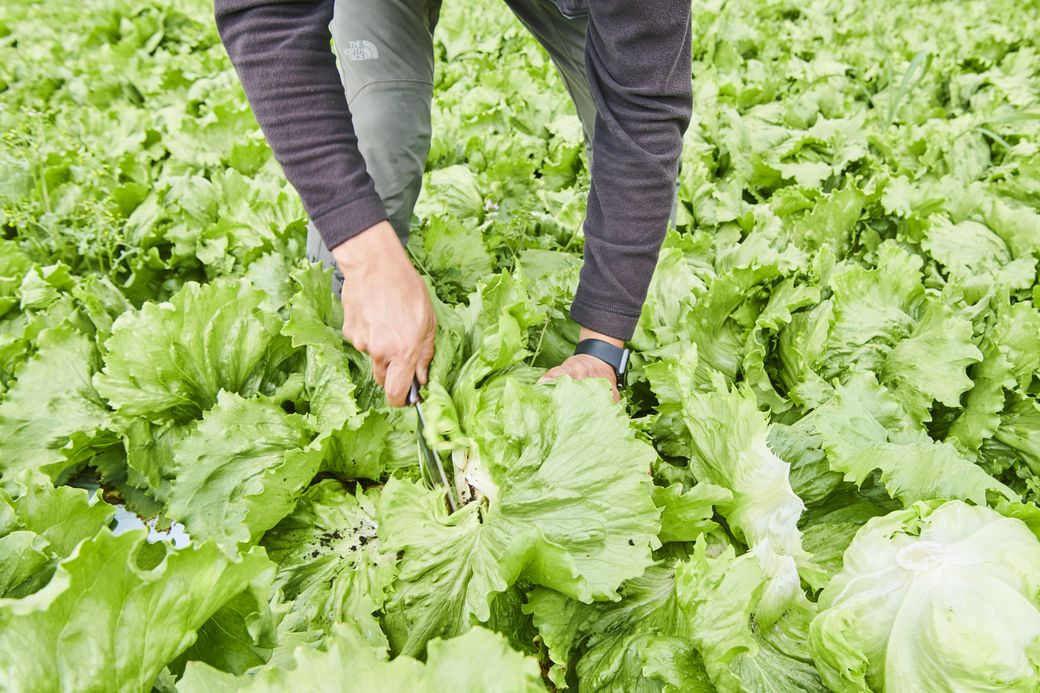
[{"x": 429, "y": 461}]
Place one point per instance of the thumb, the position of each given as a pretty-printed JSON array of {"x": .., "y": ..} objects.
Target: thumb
[{"x": 551, "y": 374}]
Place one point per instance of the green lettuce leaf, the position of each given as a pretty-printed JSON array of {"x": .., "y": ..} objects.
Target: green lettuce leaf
[
  {"x": 721, "y": 594},
  {"x": 683, "y": 270},
  {"x": 785, "y": 300},
  {"x": 640, "y": 643},
  {"x": 929, "y": 365},
  {"x": 1020, "y": 430},
  {"x": 117, "y": 611},
  {"x": 52, "y": 419},
  {"x": 1011, "y": 355},
  {"x": 42, "y": 527},
  {"x": 729, "y": 449},
  {"x": 452, "y": 251},
  {"x": 355, "y": 441},
  {"x": 13, "y": 266},
  {"x": 329, "y": 560},
  {"x": 170, "y": 360},
  {"x": 799, "y": 444},
  {"x": 873, "y": 309},
  {"x": 685, "y": 515},
  {"x": 878, "y": 319},
  {"x": 241, "y": 470},
  {"x": 477, "y": 662},
  {"x": 828, "y": 529},
  {"x": 240, "y": 635},
  {"x": 863, "y": 429},
  {"x": 452, "y": 190}
]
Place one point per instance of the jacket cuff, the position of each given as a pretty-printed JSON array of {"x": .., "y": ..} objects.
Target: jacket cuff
[
  {"x": 342, "y": 223},
  {"x": 606, "y": 320}
]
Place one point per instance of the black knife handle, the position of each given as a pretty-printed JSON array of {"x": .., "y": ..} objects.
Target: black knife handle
[{"x": 413, "y": 392}]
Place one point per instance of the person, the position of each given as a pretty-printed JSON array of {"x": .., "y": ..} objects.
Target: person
[{"x": 354, "y": 147}]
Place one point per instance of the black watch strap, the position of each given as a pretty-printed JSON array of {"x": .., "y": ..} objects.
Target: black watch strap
[{"x": 614, "y": 356}]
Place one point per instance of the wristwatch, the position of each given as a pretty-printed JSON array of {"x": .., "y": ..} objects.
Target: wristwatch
[{"x": 614, "y": 356}]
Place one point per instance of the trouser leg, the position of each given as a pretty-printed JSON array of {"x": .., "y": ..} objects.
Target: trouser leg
[
  {"x": 563, "y": 38},
  {"x": 385, "y": 50}
]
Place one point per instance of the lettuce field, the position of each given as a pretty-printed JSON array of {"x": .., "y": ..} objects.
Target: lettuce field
[{"x": 834, "y": 386}]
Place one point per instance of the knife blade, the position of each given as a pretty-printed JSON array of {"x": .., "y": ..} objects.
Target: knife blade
[{"x": 429, "y": 461}]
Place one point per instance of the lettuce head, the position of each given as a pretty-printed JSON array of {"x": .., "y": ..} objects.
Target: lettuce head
[{"x": 933, "y": 599}]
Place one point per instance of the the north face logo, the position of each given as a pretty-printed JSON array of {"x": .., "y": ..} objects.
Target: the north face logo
[{"x": 362, "y": 50}]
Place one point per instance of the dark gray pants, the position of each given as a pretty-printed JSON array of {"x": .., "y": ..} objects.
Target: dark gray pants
[{"x": 385, "y": 50}]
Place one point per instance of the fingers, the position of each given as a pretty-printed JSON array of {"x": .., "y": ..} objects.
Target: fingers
[
  {"x": 352, "y": 334},
  {"x": 552, "y": 374},
  {"x": 379, "y": 367},
  {"x": 422, "y": 364},
  {"x": 580, "y": 367},
  {"x": 398, "y": 381}
]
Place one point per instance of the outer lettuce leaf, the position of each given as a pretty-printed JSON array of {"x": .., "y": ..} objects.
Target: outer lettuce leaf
[
  {"x": 170, "y": 360},
  {"x": 241, "y": 470},
  {"x": 551, "y": 278},
  {"x": 1020, "y": 431},
  {"x": 832, "y": 220},
  {"x": 453, "y": 253},
  {"x": 488, "y": 336},
  {"x": 13, "y": 266},
  {"x": 569, "y": 508},
  {"x": 685, "y": 515},
  {"x": 452, "y": 190},
  {"x": 722, "y": 595},
  {"x": 930, "y": 363},
  {"x": 873, "y": 309},
  {"x": 800, "y": 445},
  {"x": 719, "y": 323},
  {"x": 640, "y": 643},
  {"x": 683, "y": 270},
  {"x": 879, "y": 320},
  {"x": 101, "y": 301},
  {"x": 242, "y": 634},
  {"x": 477, "y": 662},
  {"x": 829, "y": 528},
  {"x": 52, "y": 418},
  {"x": 729, "y": 449},
  {"x": 117, "y": 611},
  {"x": 966, "y": 248},
  {"x": 150, "y": 466},
  {"x": 785, "y": 300},
  {"x": 1011, "y": 355},
  {"x": 315, "y": 316},
  {"x": 329, "y": 560},
  {"x": 801, "y": 346},
  {"x": 863, "y": 429},
  {"x": 43, "y": 526},
  {"x": 562, "y": 624},
  {"x": 644, "y": 661}
]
